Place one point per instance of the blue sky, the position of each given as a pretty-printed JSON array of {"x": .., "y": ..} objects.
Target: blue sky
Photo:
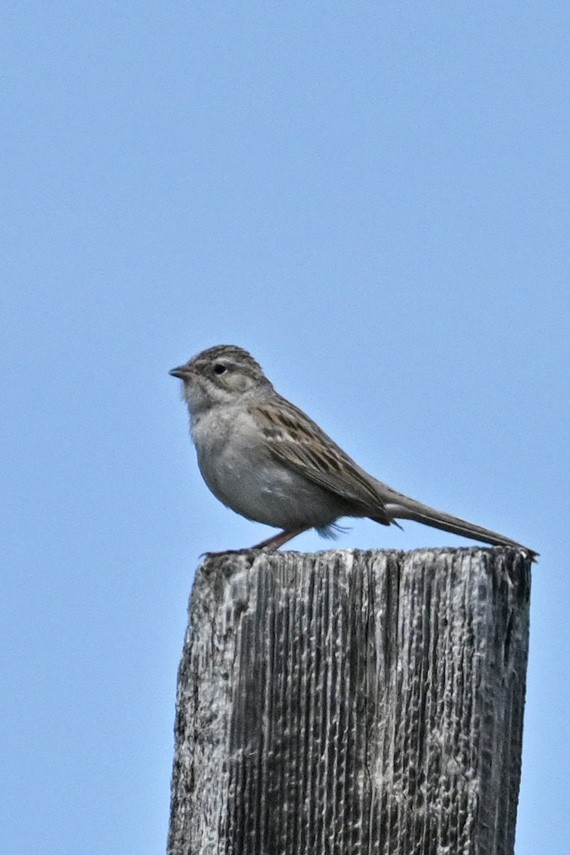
[{"x": 373, "y": 198}]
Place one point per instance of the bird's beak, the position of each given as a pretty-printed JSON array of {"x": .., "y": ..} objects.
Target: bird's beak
[{"x": 183, "y": 372}]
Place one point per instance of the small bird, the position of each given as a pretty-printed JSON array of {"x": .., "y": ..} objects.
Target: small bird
[{"x": 265, "y": 459}]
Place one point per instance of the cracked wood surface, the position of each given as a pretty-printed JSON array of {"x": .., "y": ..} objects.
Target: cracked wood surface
[{"x": 352, "y": 702}]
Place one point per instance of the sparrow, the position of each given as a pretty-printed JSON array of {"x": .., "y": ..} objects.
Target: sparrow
[{"x": 267, "y": 460}]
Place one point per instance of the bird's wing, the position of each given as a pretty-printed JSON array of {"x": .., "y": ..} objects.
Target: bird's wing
[{"x": 296, "y": 441}]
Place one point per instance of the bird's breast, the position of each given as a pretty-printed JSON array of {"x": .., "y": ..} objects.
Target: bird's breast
[{"x": 238, "y": 467}]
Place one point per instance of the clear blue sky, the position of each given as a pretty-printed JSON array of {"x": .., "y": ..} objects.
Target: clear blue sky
[{"x": 374, "y": 199}]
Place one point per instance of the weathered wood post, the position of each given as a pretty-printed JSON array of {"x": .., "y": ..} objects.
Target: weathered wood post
[{"x": 351, "y": 702}]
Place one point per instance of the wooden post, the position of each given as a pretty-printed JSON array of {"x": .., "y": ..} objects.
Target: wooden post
[{"x": 350, "y": 702}]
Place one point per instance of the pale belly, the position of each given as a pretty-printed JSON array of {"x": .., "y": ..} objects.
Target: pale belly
[{"x": 242, "y": 475}]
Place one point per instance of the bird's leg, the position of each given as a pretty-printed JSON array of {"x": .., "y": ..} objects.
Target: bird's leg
[{"x": 273, "y": 543}]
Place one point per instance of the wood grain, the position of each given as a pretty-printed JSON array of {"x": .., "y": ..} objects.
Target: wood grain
[{"x": 352, "y": 702}]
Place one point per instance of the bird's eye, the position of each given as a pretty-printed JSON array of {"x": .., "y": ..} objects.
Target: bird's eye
[{"x": 219, "y": 368}]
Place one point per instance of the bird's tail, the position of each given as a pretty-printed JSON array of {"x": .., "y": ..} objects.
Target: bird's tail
[{"x": 401, "y": 507}]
